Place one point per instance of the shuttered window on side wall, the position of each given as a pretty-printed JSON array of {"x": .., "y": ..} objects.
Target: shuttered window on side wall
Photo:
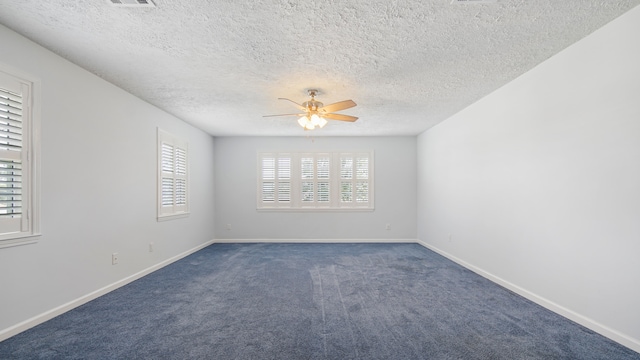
[
  {"x": 173, "y": 179},
  {"x": 18, "y": 217}
]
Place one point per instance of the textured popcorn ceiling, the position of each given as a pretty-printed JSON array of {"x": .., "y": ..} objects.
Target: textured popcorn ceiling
[{"x": 221, "y": 65}]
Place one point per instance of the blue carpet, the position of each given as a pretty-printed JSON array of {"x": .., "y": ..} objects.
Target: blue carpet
[{"x": 311, "y": 301}]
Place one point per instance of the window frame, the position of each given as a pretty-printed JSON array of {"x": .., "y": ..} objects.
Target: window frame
[
  {"x": 319, "y": 200},
  {"x": 179, "y": 174},
  {"x": 29, "y": 229}
]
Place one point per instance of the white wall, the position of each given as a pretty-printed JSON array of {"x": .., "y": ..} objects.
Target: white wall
[
  {"x": 539, "y": 183},
  {"x": 98, "y": 189},
  {"x": 395, "y": 189}
]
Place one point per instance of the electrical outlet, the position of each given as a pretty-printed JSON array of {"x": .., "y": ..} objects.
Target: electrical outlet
[
  {"x": 449, "y": 237},
  {"x": 388, "y": 227},
  {"x": 228, "y": 226},
  {"x": 151, "y": 247},
  {"x": 114, "y": 258}
]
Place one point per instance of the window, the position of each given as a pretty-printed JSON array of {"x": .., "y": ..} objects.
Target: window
[
  {"x": 315, "y": 181},
  {"x": 19, "y": 152},
  {"x": 173, "y": 176}
]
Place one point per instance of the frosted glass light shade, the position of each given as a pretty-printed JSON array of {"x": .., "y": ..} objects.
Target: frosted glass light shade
[{"x": 310, "y": 123}]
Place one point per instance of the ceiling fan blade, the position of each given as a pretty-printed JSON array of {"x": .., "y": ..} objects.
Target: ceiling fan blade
[
  {"x": 284, "y": 115},
  {"x": 346, "y": 104},
  {"x": 340, "y": 117},
  {"x": 298, "y": 105}
]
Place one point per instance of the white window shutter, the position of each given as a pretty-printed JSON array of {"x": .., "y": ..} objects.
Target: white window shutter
[
  {"x": 315, "y": 180},
  {"x": 173, "y": 176},
  {"x": 14, "y": 187},
  {"x": 180, "y": 161},
  {"x": 274, "y": 180}
]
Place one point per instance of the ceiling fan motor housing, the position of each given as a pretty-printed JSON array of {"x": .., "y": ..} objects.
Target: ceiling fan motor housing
[{"x": 312, "y": 105}]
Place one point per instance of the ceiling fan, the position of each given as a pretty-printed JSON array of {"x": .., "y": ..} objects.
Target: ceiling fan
[{"x": 314, "y": 113}]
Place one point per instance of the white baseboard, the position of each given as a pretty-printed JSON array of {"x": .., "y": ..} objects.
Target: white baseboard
[
  {"x": 633, "y": 344},
  {"x": 298, "y": 241},
  {"x": 39, "y": 319}
]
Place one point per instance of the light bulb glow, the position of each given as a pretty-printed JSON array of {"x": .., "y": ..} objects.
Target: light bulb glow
[
  {"x": 303, "y": 121},
  {"x": 322, "y": 122},
  {"x": 309, "y": 126},
  {"x": 315, "y": 119}
]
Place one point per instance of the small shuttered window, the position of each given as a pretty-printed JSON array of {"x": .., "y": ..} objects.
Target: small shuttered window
[
  {"x": 11, "y": 109},
  {"x": 18, "y": 215},
  {"x": 315, "y": 181},
  {"x": 173, "y": 180},
  {"x": 275, "y": 185},
  {"x": 354, "y": 178}
]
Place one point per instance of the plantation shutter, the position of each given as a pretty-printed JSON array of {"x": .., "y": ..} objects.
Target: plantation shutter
[
  {"x": 355, "y": 180},
  {"x": 284, "y": 178},
  {"x": 14, "y": 115},
  {"x": 274, "y": 184},
  {"x": 307, "y": 172},
  {"x": 315, "y": 170},
  {"x": 268, "y": 179},
  {"x": 362, "y": 179},
  {"x": 173, "y": 175},
  {"x": 180, "y": 166},
  {"x": 323, "y": 176},
  {"x": 346, "y": 179},
  {"x": 315, "y": 181},
  {"x": 167, "y": 175}
]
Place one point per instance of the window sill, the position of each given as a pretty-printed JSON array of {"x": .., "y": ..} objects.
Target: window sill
[
  {"x": 310, "y": 209},
  {"x": 19, "y": 241},
  {"x": 173, "y": 217}
]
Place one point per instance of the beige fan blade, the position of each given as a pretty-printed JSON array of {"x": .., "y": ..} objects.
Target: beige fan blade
[
  {"x": 298, "y": 105},
  {"x": 337, "y": 106},
  {"x": 340, "y": 117},
  {"x": 284, "y": 115}
]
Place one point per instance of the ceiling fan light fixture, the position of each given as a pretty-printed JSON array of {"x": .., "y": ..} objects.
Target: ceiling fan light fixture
[
  {"x": 306, "y": 123},
  {"x": 316, "y": 114}
]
